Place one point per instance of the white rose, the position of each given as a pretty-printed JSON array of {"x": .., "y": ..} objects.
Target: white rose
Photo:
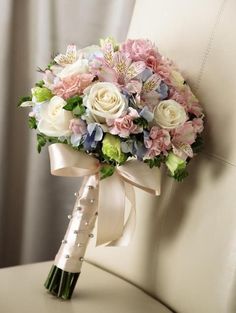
[
  {"x": 169, "y": 114},
  {"x": 79, "y": 67},
  {"x": 104, "y": 101},
  {"x": 53, "y": 119}
]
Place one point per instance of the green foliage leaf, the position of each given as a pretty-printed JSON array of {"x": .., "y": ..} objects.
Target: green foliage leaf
[
  {"x": 198, "y": 145},
  {"x": 24, "y": 99},
  {"x": 156, "y": 162},
  {"x": 42, "y": 140},
  {"x": 40, "y": 84},
  {"x": 32, "y": 123},
  {"x": 51, "y": 64},
  {"x": 140, "y": 121},
  {"x": 179, "y": 175},
  {"x": 79, "y": 110},
  {"x": 106, "y": 171},
  {"x": 72, "y": 103}
]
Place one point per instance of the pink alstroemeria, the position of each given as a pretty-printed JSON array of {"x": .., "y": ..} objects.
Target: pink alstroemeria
[
  {"x": 183, "y": 137},
  {"x": 117, "y": 67},
  {"x": 72, "y": 85},
  {"x": 124, "y": 126},
  {"x": 157, "y": 142}
]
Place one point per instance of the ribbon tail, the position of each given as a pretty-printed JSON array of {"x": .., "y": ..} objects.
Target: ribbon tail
[
  {"x": 130, "y": 224},
  {"x": 111, "y": 207}
]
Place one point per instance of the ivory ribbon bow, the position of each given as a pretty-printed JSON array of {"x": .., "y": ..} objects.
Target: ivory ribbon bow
[{"x": 113, "y": 191}]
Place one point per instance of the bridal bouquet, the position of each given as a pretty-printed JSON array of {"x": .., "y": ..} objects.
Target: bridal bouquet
[{"x": 113, "y": 113}]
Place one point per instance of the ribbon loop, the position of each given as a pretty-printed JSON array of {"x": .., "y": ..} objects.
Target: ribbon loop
[
  {"x": 65, "y": 161},
  {"x": 113, "y": 191}
]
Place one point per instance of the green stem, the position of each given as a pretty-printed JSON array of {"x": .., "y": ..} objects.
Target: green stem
[{"x": 61, "y": 283}]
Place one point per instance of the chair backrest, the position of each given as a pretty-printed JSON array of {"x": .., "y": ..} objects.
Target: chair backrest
[{"x": 184, "y": 250}]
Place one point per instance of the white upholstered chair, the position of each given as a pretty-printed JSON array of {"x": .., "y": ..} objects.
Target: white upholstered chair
[{"x": 183, "y": 254}]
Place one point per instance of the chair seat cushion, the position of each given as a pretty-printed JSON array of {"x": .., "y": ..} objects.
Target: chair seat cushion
[{"x": 21, "y": 290}]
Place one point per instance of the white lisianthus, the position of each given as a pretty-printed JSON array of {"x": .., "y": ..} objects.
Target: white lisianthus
[
  {"x": 54, "y": 120},
  {"x": 81, "y": 66},
  {"x": 104, "y": 101},
  {"x": 90, "y": 51},
  {"x": 177, "y": 79},
  {"x": 169, "y": 114}
]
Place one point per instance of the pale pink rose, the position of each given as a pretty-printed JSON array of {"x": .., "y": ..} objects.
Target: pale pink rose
[
  {"x": 72, "y": 85},
  {"x": 158, "y": 141},
  {"x": 140, "y": 49},
  {"x": 78, "y": 126},
  {"x": 124, "y": 126},
  {"x": 197, "y": 125}
]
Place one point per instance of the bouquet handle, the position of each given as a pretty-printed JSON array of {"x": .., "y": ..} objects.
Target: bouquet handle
[{"x": 66, "y": 269}]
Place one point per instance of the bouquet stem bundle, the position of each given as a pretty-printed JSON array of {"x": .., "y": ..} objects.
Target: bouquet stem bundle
[{"x": 65, "y": 271}]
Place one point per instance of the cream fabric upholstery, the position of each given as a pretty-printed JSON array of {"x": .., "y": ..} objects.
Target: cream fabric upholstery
[
  {"x": 184, "y": 250},
  {"x": 99, "y": 291}
]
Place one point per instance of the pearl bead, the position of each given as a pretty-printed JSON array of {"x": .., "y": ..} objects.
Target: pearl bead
[
  {"x": 76, "y": 194},
  {"x": 81, "y": 259},
  {"x": 92, "y": 201},
  {"x": 79, "y": 208},
  {"x": 69, "y": 216},
  {"x": 90, "y": 187},
  {"x": 91, "y": 235},
  {"x": 76, "y": 232},
  {"x": 67, "y": 256},
  {"x": 64, "y": 241}
]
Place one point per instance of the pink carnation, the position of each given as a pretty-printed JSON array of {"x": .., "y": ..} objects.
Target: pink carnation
[
  {"x": 140, "y": 50},
  {"x": 72, "y": 85},
  {"x": 179, "y": 96},
  {"x": 124, "y": 126},
  {"x": 195, "y": 108},
  {"x": 163, "y": 69},
  {"x": 197, "y": 125},
  {"x": 158, "y": 141},
  {"x": 78, "y": 126}
]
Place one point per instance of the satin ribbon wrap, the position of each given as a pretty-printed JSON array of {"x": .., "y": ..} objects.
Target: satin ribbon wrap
[{"x": 114, "y": 191}]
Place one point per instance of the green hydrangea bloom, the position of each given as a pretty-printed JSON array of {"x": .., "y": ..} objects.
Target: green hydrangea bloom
[
  {"x": 41, "y": 94},
  {"x": 175, "y": 164},
  {"x": 111, "y": 147}
]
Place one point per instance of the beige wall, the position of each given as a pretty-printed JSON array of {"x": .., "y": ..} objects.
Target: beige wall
[{"x": 184, "y": 249}]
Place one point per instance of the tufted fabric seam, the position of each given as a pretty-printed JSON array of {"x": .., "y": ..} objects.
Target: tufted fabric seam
[
  {"x": 129, "y": 282},
  {"x": 215, "y": 156},
  {"x": 209, "y": 45}
]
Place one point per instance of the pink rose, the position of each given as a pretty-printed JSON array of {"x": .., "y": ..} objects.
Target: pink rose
[
  {"x": 158, "y": 141},
  {"x": 72, "y": 85},
  {"x": 78, "y": 126},
  {"x": 140, "y": 50},
  {"x": 124, "y": 126}
]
